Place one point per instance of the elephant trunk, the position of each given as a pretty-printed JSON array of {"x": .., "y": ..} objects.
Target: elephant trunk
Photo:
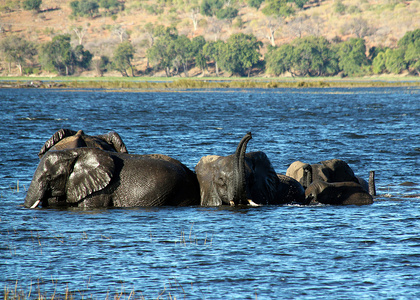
[
  {"x": 307, "y": 176},
  {"x": 372, "y": 188},
  {"x": 239, "y": 180},
  {"x": 34, "y": 195}
]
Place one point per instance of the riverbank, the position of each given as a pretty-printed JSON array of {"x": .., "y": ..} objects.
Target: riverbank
[{"x": 151, "y": 83}]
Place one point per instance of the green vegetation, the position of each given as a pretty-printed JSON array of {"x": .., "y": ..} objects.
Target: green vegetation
[
  {"x": 59, "y": 56},
  {"x": 32, "y": 4},
  {"x": 239, "y": 55},
  {"x": 211, "y": 38}
]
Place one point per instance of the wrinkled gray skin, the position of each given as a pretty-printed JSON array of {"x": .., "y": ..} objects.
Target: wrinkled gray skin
[
  {"x": 69, "y": 139},
  {"x": 337, "y": 193},
  {"x": 244, "y": 179},
  {"x": 333, "y": 170},
  {"x": 92, "y": 178}
]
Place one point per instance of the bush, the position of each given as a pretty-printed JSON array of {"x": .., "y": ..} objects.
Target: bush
[
  {"x": 255, "y": 3},
  {"x": 32, "y": 4},
  {"x": 227, "y": 13}
]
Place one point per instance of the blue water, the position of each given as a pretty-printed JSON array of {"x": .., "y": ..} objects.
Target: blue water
[{"x": 287, "y": 252}]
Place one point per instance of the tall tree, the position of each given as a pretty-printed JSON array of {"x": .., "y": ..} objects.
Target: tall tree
[
  {"x": 352, "y": 56},
  {"x": 58, "y": 55},
  {"x": 213, "y": 50},
  {"x": 241, "y": 53},
  {"x": 410, "y": 43},
  {"x": 161, "y": 54},
  {"x": 17, "y": 50},
  {"x": 123, "y": 56}
]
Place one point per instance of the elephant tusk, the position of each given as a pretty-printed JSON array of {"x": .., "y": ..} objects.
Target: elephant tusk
[
  {"x": 36, "y": 204},
  {"x": 252, "y": 203}
]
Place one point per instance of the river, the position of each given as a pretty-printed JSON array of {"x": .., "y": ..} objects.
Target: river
[{"x": 272, "y": 252}]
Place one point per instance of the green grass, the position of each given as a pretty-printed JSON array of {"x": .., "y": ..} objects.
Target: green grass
[{"x": 159, "y": 83}]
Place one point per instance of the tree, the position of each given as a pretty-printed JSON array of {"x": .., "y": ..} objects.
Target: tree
[
  {"x": 241, "y": 53},
  {"x": 352, "y": 56},
  {"x": 111, "y": 6},
  {"x": 101, "y": 65},
  {"x": 210, "y": 7},
  {"x": 394, "y": 60},
  {"x": 161, "y": 53},
  {"x": 58, "y": 55},
  {"x": 378, "y": 63},
  {"x": 194, "y": 16},
  {"x": 214, "y": 51},
  {"x": 123, "y": 56},
  {"x": 410, "y": 43},
  {"x": 227, "y": 13},
  {"x": 313, "y": 56},
  {"x": 278, "y": 8},
  {"x": 80, "y": 33},
  {"x": 255, "y": 3},
  {"x": 197, "y": 45},
  {"x": 120, "y": 32},
  {"x": 279, "y": 60},
  {"x": 32, "y": 4},
  {"x": 84, "y": 8},
  {"x": 273, "y": 23},
  {"x": 17, "y": 50}
]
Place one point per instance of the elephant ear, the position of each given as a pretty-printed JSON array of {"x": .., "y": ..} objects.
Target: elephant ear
[
  {"x": 114, "y": 140},
  {"x": 338, "y": 171},
  {"x": 58, "y": 136},
  {"x": 92, "y": 171}
]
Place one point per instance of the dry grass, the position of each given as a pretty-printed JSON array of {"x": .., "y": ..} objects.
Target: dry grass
[{"x": 388, "y": 20}]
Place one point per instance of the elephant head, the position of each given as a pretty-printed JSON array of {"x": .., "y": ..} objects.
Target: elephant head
[
  {"x": 302, "y": 172},
  {"x": 91, "y": 178},
  {"x": 333, "y": 170},
  {"x": 222, "y": 179},
  {"x": 244, "y": 179},
  {"x": 337, "y": 193},
  {"x": 69, "y": 139},
  {"x": 66, "y": 177}
]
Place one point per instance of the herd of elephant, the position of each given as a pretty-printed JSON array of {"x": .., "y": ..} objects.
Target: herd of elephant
[{"x": 79, "y": 170}]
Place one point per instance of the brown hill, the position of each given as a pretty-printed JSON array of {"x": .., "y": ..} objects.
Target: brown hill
[{"x": 380, "y": 23}]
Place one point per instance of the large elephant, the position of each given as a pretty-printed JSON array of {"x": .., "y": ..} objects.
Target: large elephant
[
  {"x": 91, "y": 177},
  {"x": 244, "y": 179},
  {"x": 69, "y": 139},
  {"x": 337, "y": 193}
]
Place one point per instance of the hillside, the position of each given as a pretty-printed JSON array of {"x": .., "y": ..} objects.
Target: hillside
[{"x": 380, "y": 23}]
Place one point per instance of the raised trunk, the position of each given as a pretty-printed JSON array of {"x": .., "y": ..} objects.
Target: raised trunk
[
  {"x": 307, "y": 173},
  {"x": 372, "y": 188},
  {"x": 239, "y": 180}
]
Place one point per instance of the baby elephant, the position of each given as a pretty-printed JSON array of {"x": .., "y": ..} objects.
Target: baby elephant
[{"x": 337, "y": 193}]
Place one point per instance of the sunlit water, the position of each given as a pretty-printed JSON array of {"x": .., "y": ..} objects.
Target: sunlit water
[{"x": 287, "y": 252}]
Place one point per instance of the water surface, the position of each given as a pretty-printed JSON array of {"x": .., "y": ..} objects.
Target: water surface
[{"x": 286, "y": 252}]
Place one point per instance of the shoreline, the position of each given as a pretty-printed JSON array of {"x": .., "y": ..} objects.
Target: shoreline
[{"x": 154, "y": 83}]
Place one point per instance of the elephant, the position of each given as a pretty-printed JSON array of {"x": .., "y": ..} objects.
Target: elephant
[
  {"x": 337, "y": 193},
  {"x": 333, "y": 170},
  {"x": 95, "y": 178},
  {"x": 69, "y": 139},
  {"x": 244, "y": 179}
]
